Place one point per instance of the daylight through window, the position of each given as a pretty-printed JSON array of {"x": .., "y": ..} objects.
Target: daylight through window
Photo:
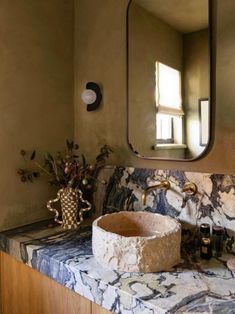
[{"x": 169, "y": 105}]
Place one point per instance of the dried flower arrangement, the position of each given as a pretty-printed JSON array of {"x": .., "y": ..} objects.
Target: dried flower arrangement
[{"x": 66, "y": 170}]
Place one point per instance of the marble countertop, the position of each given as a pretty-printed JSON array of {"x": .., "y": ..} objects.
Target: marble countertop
[{"x": 194, "y": 286}]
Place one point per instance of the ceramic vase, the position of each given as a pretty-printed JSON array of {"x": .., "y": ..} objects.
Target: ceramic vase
[{"x": 71, "y": 201}]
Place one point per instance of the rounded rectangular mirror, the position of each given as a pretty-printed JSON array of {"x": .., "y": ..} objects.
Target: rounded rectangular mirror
[{"x": 168, "y": 78}]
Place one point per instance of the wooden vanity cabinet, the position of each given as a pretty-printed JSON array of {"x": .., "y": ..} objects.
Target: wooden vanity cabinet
[{"x": 25, "y": 291}]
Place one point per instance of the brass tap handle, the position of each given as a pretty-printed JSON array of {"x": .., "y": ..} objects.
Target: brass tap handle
[{"x": 190, "y": 188}]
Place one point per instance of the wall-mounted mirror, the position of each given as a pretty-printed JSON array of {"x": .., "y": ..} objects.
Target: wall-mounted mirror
[{"x": 169, "y": 57}]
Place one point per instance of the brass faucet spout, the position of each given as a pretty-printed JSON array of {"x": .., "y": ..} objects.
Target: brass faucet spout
[{"x": 165, "y": 184}]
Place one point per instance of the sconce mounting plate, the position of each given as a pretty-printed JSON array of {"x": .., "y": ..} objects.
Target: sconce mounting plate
[{"x": 95, "y": 87}]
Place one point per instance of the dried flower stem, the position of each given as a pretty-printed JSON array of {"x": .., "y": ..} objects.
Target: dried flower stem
[{"x": 43, "y": 169}]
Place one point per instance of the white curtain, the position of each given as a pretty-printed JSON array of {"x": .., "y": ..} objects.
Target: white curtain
[{"x": 168, "y": 90}]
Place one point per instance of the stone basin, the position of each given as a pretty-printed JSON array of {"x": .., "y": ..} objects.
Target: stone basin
[{"x": 136, "y": 241}]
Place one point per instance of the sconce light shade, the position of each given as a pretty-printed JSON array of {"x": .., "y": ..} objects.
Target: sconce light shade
[
  {"x": 88, "y": 96},
  {"x": 92, "y": 96}
]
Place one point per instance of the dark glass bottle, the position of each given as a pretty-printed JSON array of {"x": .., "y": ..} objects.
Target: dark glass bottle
[
  {"x": 205, "y": 249},
  {"x": 217, "y": 240},
  {"x": 205, "y": 230}
]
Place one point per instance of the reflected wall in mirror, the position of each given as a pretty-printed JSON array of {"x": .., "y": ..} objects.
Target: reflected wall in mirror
[{"x": 168, "y": 78}]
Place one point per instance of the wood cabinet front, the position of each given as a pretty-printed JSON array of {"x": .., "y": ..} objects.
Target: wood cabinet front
[{"x": 25, "y": 291}]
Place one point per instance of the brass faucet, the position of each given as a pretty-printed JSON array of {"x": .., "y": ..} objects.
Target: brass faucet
[
  {"x": 190, "y": 188},
  {"x": 165, "y": 184}
]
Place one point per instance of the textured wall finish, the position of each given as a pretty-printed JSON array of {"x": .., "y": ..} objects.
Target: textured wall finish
[
  {"x": 100, "y": 55},
  {"x": 214, "y": 203},
  {"x": 196, "y": 81},
  {"x": 36, "y": 97},
  {"x": 150, "y": 41},
  {"x": 36, "y": 91}
]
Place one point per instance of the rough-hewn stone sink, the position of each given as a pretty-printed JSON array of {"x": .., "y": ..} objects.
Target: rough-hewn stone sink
[{"x": 136, "y": 241}]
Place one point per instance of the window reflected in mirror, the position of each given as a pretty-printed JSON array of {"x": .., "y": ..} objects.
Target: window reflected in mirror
[
  {"x": 168, "y": 106},
  {"x": 169, "y": 78}
]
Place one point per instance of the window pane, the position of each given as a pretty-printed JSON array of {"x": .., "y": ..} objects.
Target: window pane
[
  {"x": 168, "y": 86},
  {"x": 164, "y": 127}
]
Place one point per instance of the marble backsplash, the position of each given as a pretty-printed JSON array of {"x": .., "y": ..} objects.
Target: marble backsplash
[{"x": 214, "y": 203}]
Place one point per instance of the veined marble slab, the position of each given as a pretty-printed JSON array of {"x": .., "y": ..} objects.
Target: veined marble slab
[
  {"x": 194, "y": 286},
  {"x": 214, "y": 203}
]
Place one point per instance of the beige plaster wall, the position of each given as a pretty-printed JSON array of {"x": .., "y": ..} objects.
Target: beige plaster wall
[
  {"x": 150, "y": 40},
  {"x": 36, "y": 97},
  {"x": 100, "y": 46},
  {"x": 196, "y": 85}
]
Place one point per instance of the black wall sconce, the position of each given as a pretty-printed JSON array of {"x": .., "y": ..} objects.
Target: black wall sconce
[{"x": 92, "y": 96}]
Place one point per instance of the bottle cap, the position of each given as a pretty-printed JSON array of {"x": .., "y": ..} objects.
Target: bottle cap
[
  {"x": 218, "y": 230},
  {"x": 205, "y": 228}
]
